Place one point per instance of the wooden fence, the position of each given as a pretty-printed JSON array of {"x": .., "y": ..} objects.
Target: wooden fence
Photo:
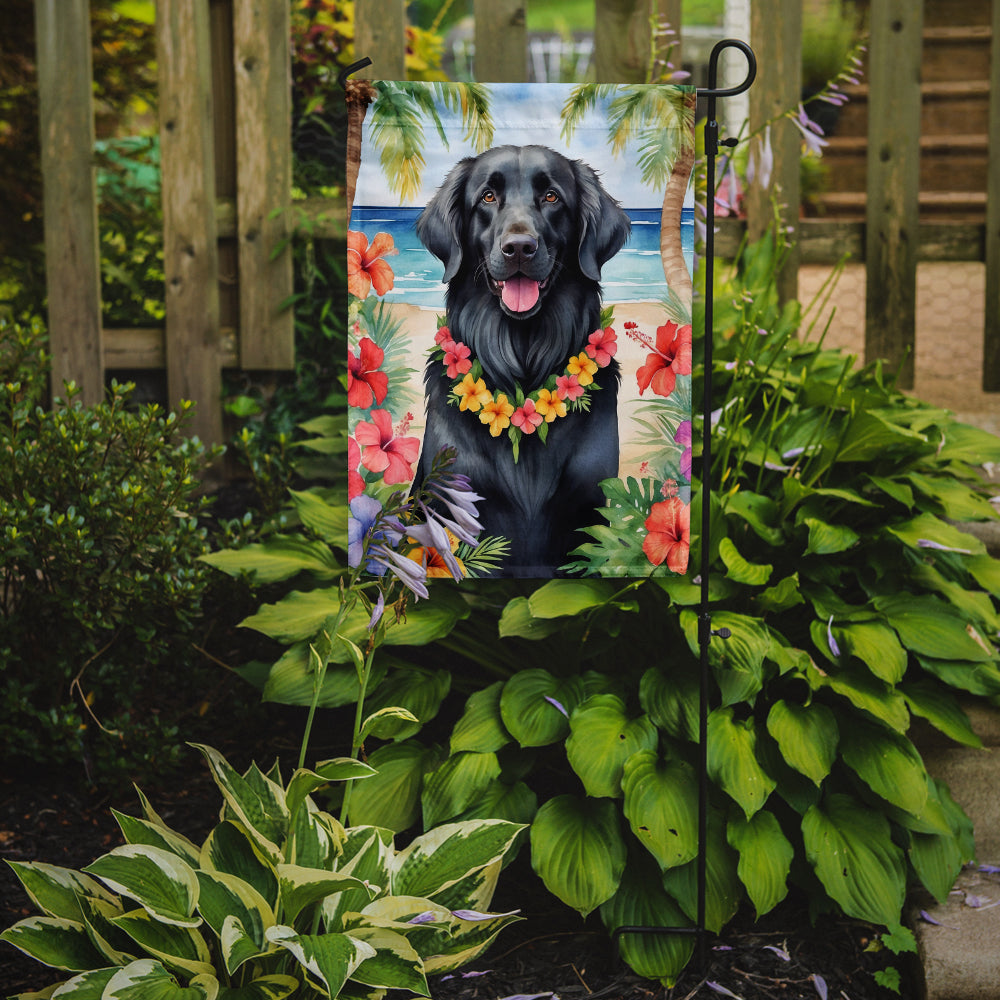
[{"x": 226, "y": 161}]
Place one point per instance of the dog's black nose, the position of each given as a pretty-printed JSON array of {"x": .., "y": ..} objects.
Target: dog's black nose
[{"x": 519, "y": 246}]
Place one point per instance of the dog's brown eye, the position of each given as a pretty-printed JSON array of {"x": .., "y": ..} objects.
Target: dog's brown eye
[
  {"x": 489, "y": 197},
  {"x": 551, "y": 196}
]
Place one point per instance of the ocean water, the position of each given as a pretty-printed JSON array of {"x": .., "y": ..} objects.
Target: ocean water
[{"x": 634, "y": 274}]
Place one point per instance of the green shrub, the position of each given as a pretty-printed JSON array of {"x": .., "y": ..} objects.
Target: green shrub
[
  {"x": 280, "y": 899},
  {"x": 101, "y": 584}
]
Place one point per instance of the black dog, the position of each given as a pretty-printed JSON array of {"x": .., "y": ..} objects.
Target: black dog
[{"x": 523, "y": 232}]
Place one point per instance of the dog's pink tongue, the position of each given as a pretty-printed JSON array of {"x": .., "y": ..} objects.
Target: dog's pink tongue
[{"x": 519, "y": 293}]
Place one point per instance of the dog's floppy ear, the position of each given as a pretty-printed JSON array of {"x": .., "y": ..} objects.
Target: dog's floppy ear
[
  {"x": 604, "y": 227},
  {"x": 440, "y": 225}
]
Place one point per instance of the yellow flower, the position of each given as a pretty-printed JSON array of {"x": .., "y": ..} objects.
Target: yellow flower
[
  {"x": 472, "y": 393},
  {"x": 497, "y": 413},
  {"x": 583, "y": 367},
  {"x": 550, "y": 405}
]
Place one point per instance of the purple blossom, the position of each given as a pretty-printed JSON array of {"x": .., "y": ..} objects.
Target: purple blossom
[
  {"x": 366, "y": 519},
  {"x": 431, "y": 534},
  {"x": 719, "y": 988},
  {"x": 780, "y": 952},
  {"x": 411, "y": 574},
  {"x": 475, "y": 915},
  {"x": 760, "y": 165},
  {"x": 820, "y": 983},
  {"x": 377, "y": 612},
  {"x": 558, "y": 705},
  {"x": 927, "y": 543},
  {"x": 682, "y": 436},
  {"x": 811, "y": 132},
  {"x": 834, "y": 648},
  {"x": 427, "y": 917}
]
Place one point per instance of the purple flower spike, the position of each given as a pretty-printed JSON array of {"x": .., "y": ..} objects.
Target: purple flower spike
[
  {"x": 820, "y": 984},
  {"x": 427, "y": 917},
  {"x": 558, "y": 705},
  {"x": 834, "y": 648},
  {"x": 719, "y": 988}
]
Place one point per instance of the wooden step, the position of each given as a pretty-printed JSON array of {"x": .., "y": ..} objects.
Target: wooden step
[
  {"x": 956, "y": 53},
  {"x": 945, "y": 12},
  {"x": 958, "y": 206}
]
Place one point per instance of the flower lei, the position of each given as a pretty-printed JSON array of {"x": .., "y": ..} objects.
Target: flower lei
[{"x": 528, "y": 413}]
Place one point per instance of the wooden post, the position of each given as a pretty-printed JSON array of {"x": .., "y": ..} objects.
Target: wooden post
[
  {"x": 667, "y": 14},
  {"x": 380, "y": 34},
  {"x": 776, "y": 35},
  {"x": 262, "y": 60},
  {"x": 190, "y": 253},
  {"x": 893, "y": 183},
  {"x": 72, "y": 256},
  {"x": 501, "y": 41},
  {"x": 621, "y": 40},
  {"x": 991, "y": 333}
]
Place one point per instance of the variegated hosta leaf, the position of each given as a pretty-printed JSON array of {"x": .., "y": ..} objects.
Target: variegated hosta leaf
[
  {"x": 850, "y": 847},
  {"x": 141, "y": 831},
  {"x": 56, "y": 891},
  {"x": 275, "y": 987},
  {"x": 328, "y": 959},
  {"x": 87, "y": 986},
  {"x": 160, "y": 882},
  {"x": 304, "y": 782},
  {"x": 467, "y": 941},
  {"x": 642, "y": 902},
  {"x": 475, "y": 891},
  {"x": 481, "y": 727},
  {"x": 367, "y": 853},
  {"x": 147, "y": 979},
  {"x": 177, "y": 947},
  {"x": 116, "y": 946},
  {"x": 315, "y": 839},
  {"x": 300, "y": 887},
  {"x": 765, "y": 858},
  {"x": 395, "y": 964},
  {"x": 661, "y": 805},
  {"x": 732, "y": 760},
  {"x": 224, "y": 898},
  {"x": 456, "y": 784},
  {"x": 578, "y": 851},
  {"x": 230, "y": 849},
  {"x": 54, "y": 941},
  {"x": 441, "y": 857},
  {"x": 602, "y": 737},
  {"x": 807, "y": 736}
]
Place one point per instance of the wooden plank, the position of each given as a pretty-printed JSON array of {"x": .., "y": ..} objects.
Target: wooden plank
[
  {"x": 380, "y": 34},
  {"x": 501, "y": 36},
  {"x": 991, "y": 333},
  {"x": 144, "y": 348},
  {"x": 72, "y": 256},
  {"x": 893, "y": 184},
  {"x": 190, "y": 253},
  {"x": 621, "y": 40},
  {"x": 262, "y": 61},
  {"x": 776, "y": 36}
]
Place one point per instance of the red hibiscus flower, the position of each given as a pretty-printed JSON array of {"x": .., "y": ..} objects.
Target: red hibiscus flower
[
  {"x": 355, "y": 481},
  {"x": 456, "y": 358},
  {"x": 365, "y": 266},
  {"x": 568, "y": 387},
  {"x": 383, "y": 451},
  {"x": 443, "y": 334},
  {"x": 669, "y": 534},
  {"x": 365, "y": 383},
  {"x": 672, "y": 357},
  {"x": 526, "y": 418},
  {"x": 602, "y": 345}
]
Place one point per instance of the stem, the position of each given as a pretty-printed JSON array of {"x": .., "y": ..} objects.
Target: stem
[{"x": 359, "y": 714}]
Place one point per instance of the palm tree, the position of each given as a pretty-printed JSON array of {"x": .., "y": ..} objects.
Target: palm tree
[
  {"x": 400, "y": 112},
  {"x": 660, "y": 119}
]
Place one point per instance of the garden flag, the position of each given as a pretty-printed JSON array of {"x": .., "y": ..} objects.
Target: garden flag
[{"x": 519, "y": 284}]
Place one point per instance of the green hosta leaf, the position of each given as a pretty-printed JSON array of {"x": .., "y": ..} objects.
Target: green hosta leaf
[
  {"x": 180, "y": 948},
  {"x": 783, "y": 595},
  {"x": 602, "y": 738},
  {"x": 876, "y": 646},
  {"x": 941, "y": 709},
  {"x": 330, "y": 959},
  {"x": 931, "y": 628},
  {"x": 807, "y": 736},
  {"x": 986, "y": 572},
  {"x": 481, "y": 728},
  {"x": 578, "y": 851},
  {"x": 765, "y": 858},
  {"x": 395, "y": 965},
  {"x": 327, "y": 520},
  {"x": 965, "y": 443},
  {"x": 54, "y": 941},
  {"x": 641, "y": 901},
  {"x": 870, "y": 436},
  {"x": 723, "y": 889},
  {"x": 159, "y": 881},
  {"x": 828, "y": 539},
  {"x": 443, "y": 856},
  {"x": 147, "y": 979},
  {"x": 561, "y": 598},
  {"x": 850, "y": 848},
  {"x": 456, "y": 784},
  {"x": 527, "y": 711},
  {"x": 275, "y": 987},
  {"x": 386, "y": 723},
  {"x": 928, "y": 528},
  {"x": 230, "y": 849},
  {"x": 976, "y": 678},
  {"x": 297, "y": 616},
  {"x": 141, "y": 831},
  {"x": 515, "y": 803},
  {"x": 738, "y": 662},
  {"x": 292, "y": 681},
  {"x": 301, "y": 887},
  {"x": 888, "y": 763},
  {"x": 732, "y": 760},
  {"x": 418, "y": 691},
  {"x": 391, "y": 798},
  {"x": 864, "y": 691},
  {"x": 56, "y": 891},
  {"x": 957, "y": 501},
  {"x": 225, "y": 897},
  {"x": 937, "y": 859},
  {"x": 279, "y": 558},
  {"x": 661, "y": 798},
  {"x": 975, "y": 605},
  {"x": 671, "y": 700},
  {"x": 517, "y": 620},
  {"x": 738, "y": 569},
  {"x": 760, "y": 512}
]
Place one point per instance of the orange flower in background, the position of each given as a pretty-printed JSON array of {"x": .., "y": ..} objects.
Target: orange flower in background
[
  {"x": 365, "y": 266},
  {"x": 669, "y": 534},
  {"x": 671, "y": 357}
]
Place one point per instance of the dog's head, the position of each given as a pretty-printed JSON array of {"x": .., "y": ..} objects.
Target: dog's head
[{"x": 522, "y": 218}]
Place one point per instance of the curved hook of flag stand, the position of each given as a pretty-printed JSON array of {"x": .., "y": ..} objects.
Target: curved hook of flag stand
[{"x": 705, "y": 631}]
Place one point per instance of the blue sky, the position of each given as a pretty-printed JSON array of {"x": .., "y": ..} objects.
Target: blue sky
[{"x": 523, "y": 114}]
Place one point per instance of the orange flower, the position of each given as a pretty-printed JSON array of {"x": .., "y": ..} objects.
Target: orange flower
[
  {"x": 497, "y": 413},
  {"x": 671, "y": 357},
  {"x": 550, "y": 405},
  {"x": 583, "y": 368},
  {"x": 435, "y": 563},
  {"x": 669, "y": 534},
  {"x": 472, "y": 393},
  {"x": 365, "y": 266}
]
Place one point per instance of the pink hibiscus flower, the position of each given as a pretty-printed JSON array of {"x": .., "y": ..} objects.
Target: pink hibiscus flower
[
  {"x": 526, "y": 418},
  {"x": 602, "y": 346},
  {"x": 456, "y": 358},
  {"x": 383, "y": 451},
  {"x": 365, "y": 383},
  {"x": 669, "y": 534},
  {"x": 355, "y": 481},
  {"x": 568, "y": 387}
]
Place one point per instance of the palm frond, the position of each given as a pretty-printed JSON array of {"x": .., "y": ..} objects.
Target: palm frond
[
  {"x": 581, "y": 100},
  {"x": 397, "y": 133},
  {"x": 473, "y": 101}
]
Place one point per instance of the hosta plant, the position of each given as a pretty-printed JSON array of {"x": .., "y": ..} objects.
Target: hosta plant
[{"x": 279, "y": 900}]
